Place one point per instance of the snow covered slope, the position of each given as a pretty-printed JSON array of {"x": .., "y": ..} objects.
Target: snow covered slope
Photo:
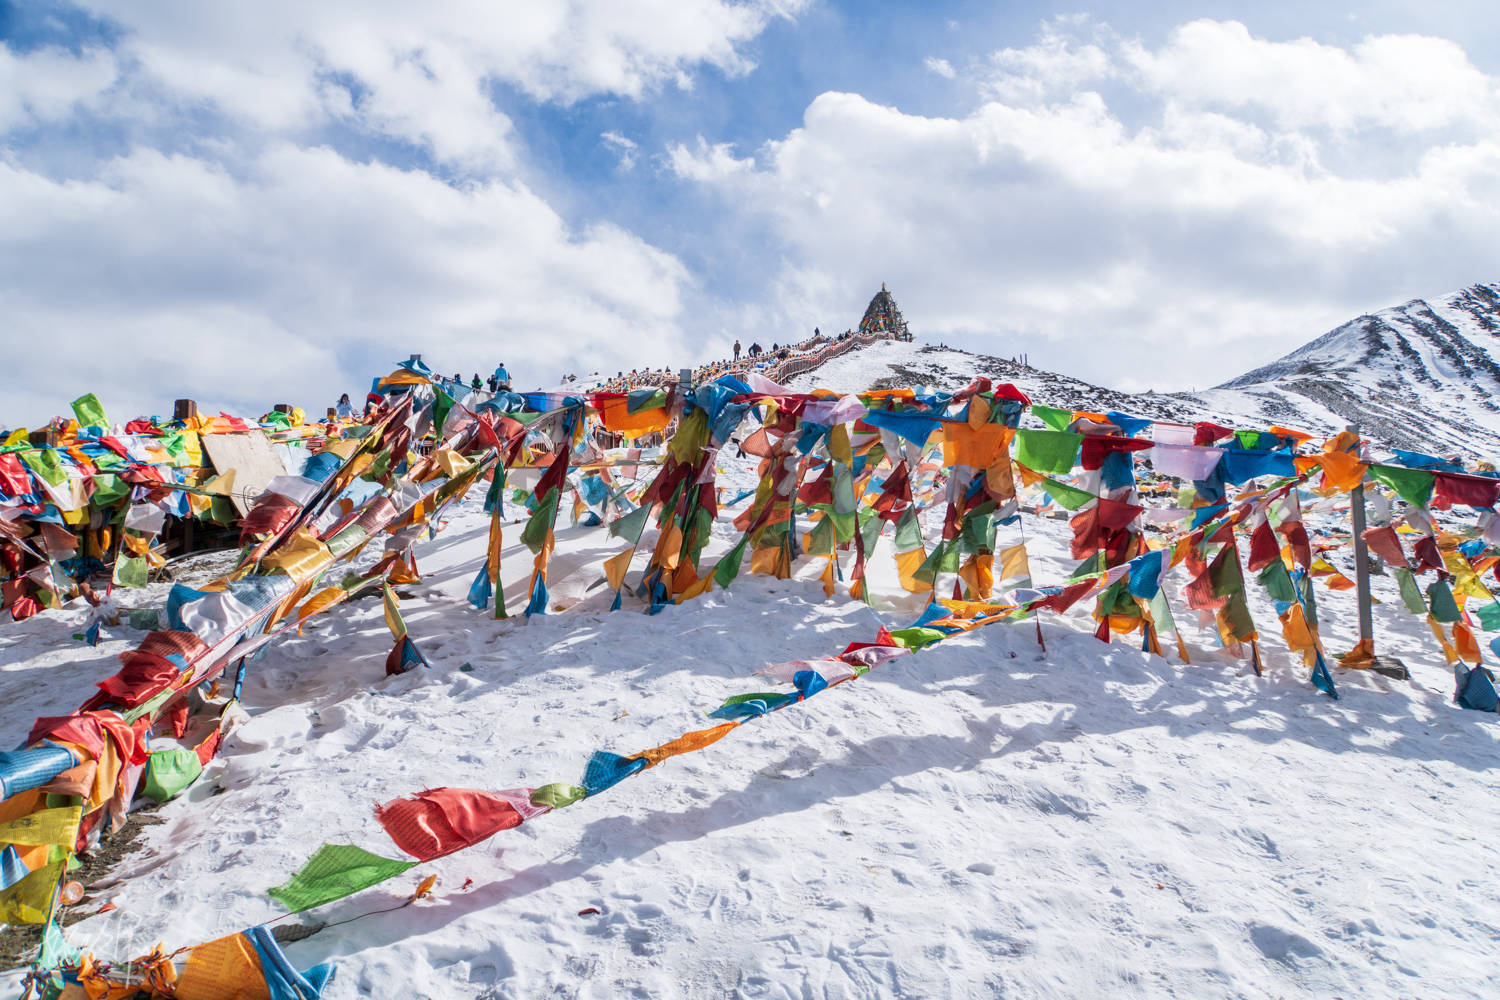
[
  {"x": 990, "y": 817},
  {"x": 986, "y": 818}
]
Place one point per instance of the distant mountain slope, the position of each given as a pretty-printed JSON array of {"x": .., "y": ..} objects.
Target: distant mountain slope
[{"x": 1421, "y": 376}]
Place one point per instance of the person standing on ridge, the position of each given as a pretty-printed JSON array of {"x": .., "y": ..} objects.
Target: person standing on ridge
[
  {"x": 345, "y": 409},
  {"x": 476, "y": 383},
  {"x": 736, "y": 350}
]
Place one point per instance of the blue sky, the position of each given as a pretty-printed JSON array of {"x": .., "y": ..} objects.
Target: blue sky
[{"x": 276, "y": 201}]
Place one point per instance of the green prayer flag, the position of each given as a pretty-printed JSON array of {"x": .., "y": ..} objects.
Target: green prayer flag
[
  {"x": 336, "y": 871},
  {"x": 1236, "y": 612},
  {"x": 1308, "y": 599},
  {"x": 1440, "y": 597},
  {"x": 630, "y": 526},
  {"x": 168, "y": 772},
  {"x": 1411, "y": 594},
  {"x": 1489, "y": 616},
  {"x": 1225, "y": 574},
  {"x": 221, "y": 511},
  {"x": 844, "y": 526},
  {"x": 108, "y": 488},
  {"x": 1278, "y": 582},
  {"x": 144, "y": 619},
  {"x": 1161, "y": 611},
  {"x": 1412, "y": 485},
  {"x": 1053, "y": 417},
  {"x": 440, "y": 407},
  {"x": 916, "y": 637},
  {"x": 697, "y": 537},
  {"x": 977, "y": 532},
  {"x": 540, "y": 525},
  {"x": 1065, "y": 496},
  {"x": 1054, "y": 452},
  {"x": 843, "y": 492},
  {"x": 729, "y": 566},
  {"x": 130, "y": 571},
  {"x": 89, "y": 411},
  {"x": 869, "y": 531},
  {"x": 45, "y": 463},
  {"x": 932, "y": 565},
  {"x": 908, "y": 532},
  {"x": 821, "y": 538},
  {"x": 558, "y": 795}
]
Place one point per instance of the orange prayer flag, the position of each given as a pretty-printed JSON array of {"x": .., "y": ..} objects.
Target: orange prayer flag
[
  {"x": 686, "y": 743},
  {"x": 965, "y": 444},
  {"x": 227, "y": 968},
  {"x": 615, "y": 568},
  {"x": 1028, "y": 477},
  {"x": 1464, "y": 644}
]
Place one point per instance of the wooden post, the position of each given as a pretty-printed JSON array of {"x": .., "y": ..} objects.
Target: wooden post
[
  {"x": 1386, "y": 665},
  {"x": 1361, "y": 559},
  {"x": 184, "y": 409}
]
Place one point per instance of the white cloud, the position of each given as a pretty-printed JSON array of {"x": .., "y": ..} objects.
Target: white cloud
[
  {"x": 707, "y": 163},
  {"x": 303, "y": 277},
  {"x": 1058, "y": 64},
  {"x": 941, "y": 67},
  {"x": 49, "y": 83},
  {"x": 1406, "y": 83},
  {"x": 624, "y": 147},
  {"x": 1178, "y": 245},
  {"x": 422, "y": 73},
  {"x": 257, "y": 266}
]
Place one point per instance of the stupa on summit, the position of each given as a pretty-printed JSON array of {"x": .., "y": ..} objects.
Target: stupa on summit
[{"x": 883, "y": 316}]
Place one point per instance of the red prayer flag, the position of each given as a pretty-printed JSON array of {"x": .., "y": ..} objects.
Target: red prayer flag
[{"x": 439, "y": 821}]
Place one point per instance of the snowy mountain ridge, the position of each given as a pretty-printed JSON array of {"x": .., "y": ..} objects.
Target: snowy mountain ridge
[{"x": 1420, "y": 376}]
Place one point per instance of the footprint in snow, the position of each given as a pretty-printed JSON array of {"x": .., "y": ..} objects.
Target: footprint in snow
[{"x": 1282, "y": 946}]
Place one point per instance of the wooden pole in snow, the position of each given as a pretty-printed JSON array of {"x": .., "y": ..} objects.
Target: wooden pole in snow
[{"x": 1361, "y": 560}]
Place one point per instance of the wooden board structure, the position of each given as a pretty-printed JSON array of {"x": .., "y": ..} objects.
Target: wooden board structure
[{"x": 253, "y": 458}]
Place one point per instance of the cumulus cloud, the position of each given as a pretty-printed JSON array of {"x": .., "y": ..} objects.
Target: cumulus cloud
[
  {"x": 1406, "y": 83},
  {"x": 49, "y": 83},
  {"x": 220, "y": 247},
  {"x": 703, "y": 162},
  {"x": 1176, "y": 212},
  {"x": 302, "y": 274},
  {"x": 423, "y": 73}
]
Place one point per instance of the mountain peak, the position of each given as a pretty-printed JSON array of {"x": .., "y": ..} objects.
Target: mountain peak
[{"x": 1420, "y": 375}]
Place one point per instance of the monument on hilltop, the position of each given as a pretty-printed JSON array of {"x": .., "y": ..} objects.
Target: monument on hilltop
[{"x": 882, "y": 316}]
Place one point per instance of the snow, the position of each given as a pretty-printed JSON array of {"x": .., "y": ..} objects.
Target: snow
[{"x": 984, "y": 818}]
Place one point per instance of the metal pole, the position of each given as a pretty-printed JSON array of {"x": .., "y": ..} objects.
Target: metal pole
[{"x": 1361, "y": 560}]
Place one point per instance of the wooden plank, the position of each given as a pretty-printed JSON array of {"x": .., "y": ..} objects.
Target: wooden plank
[{"x": 252, "y": 457}]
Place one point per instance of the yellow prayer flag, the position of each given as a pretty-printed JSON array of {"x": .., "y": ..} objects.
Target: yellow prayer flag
[
  {"x": 907, "y": 564},
  {"x": 29, "y": 900},
  {"x": 1014, "y": 563},
  {"x": 49, "y": 827}
]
